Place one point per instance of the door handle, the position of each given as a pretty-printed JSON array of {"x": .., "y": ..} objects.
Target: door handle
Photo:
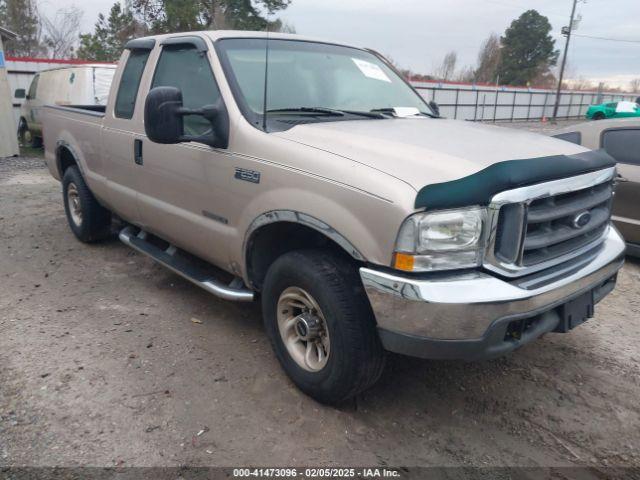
[{"x": 137, "y": 151}]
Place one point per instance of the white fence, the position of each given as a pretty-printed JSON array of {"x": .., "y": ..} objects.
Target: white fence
[{"x": 483, "y": 103}]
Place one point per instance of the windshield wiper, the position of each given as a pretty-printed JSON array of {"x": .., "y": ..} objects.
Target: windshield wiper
[
  {"x": 324, "y": 111},
  {"x": 328, "y": 111}
]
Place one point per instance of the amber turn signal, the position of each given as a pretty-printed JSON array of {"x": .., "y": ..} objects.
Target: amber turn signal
[{"x": 403, "y": 261}]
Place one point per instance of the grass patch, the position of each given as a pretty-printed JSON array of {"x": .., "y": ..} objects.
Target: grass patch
[{"x": 31, "y": 152}]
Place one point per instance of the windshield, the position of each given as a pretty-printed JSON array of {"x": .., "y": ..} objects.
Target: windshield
[{"x": 309, "y": 77}]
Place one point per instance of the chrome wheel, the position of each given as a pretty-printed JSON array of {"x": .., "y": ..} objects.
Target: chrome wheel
[
  {"x": 73, "y": 200},
  {"x": 303, "y": 329}
]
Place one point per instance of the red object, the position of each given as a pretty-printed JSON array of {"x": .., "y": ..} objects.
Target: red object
[{"x": 67, "y": 61}]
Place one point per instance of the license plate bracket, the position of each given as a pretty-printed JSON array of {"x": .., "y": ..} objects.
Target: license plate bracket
[{"x": 575, "y": 312}]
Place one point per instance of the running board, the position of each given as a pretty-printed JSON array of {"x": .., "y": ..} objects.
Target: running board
[{"x": 192, "y": 271}]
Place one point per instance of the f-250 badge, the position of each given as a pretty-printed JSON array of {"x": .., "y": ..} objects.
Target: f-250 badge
[{"x": 247, "y": 175}]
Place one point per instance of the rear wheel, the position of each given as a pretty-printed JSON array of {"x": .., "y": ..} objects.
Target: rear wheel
[
  {"x": 88, "y": 220},
  {"x": 599, "y": 116},
  {"x": 321, "y": 325}
]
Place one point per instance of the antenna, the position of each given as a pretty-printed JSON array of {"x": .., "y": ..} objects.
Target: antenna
[{"x": 266, "y": 78}]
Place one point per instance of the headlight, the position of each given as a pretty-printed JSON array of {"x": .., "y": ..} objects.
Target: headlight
[{"x": 442, "y": 240}]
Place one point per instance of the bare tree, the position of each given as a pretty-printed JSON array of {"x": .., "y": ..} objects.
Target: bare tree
[
  {"x": 635, "y": 85},
  {"x": 466, "y": 74},
  {"x": 61, "y": 32},
  {"x": 447, "y": 68},
  {"x": 285, "y": 27},
  {"x": 215, "y": 16},
  {"x": 580, "y": 83},
  {"x": 407, "y": 73},
  {"x": 488, "y": 60}
]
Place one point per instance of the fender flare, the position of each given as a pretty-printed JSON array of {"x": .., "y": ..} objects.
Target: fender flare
[
  {"x": 63, "y": 144},
  {"x": 292, "y": 216}
]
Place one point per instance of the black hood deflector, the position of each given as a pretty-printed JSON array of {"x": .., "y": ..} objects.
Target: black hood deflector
[{"x": 479, "y": 188}]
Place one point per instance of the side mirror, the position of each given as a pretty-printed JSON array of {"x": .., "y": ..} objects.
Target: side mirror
[
  {"x": 20, "y": 93},
  {"x": 435, "y": 107},
  {"x": 164, "y": 122}
]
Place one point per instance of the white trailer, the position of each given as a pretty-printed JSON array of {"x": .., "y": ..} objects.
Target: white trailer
[{"x": 8, "y": 141}]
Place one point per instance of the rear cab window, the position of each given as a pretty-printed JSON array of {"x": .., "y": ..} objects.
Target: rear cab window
[{"x": 130, "y": 83}]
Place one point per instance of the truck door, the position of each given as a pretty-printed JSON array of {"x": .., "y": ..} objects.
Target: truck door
[
  {"x": 123, "y": 128},
  {"x": 623, "y": 144},
  {"x": 177, "y": 195}
]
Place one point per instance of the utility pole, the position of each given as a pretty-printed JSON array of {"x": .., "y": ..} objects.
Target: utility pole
[{"x": 567, "y": 32}]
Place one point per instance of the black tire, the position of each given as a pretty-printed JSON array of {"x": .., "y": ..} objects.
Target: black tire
[
  {"x": 599, "y": 116},
  {"x": 94, "y": 222},
  {"x": 356, "y": 357},
  {"x": 25, "y": 137}
]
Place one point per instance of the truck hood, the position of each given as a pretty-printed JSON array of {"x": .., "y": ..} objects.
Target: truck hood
[{"x": 421, "y": 151}]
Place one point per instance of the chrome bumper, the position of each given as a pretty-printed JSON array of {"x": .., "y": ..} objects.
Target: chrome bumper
[{"x": 463, "y": 307}]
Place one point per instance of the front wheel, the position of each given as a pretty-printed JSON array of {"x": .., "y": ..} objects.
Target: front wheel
[{"x": 321, "y": 325}]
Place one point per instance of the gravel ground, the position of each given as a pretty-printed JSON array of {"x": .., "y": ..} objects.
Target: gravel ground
[
  {"x": 104, "y": 362},
  {"x": 540, "y": 127}
]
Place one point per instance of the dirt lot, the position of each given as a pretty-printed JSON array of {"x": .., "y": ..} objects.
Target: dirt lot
[{"x": 102, "y": 363}]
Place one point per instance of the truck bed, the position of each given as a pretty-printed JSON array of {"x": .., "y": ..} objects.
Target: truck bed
[{"x": 79, "y": 128}]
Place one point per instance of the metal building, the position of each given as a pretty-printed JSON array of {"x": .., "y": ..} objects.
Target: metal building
[{"x": 8, "y": 137}]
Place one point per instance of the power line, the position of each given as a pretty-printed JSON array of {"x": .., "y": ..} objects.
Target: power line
[
  {"x": 554, "y": 13},
  {"x": 606, "y": 38}
]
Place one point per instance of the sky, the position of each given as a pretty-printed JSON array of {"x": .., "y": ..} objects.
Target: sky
[{"x": 418, "y": 33}]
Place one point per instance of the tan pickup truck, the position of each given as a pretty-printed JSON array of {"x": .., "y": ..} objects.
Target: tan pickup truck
[{"x": 312, "y": 176}]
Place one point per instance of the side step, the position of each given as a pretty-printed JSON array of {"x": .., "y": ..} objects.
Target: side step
[{"x": 195, "y": 272}]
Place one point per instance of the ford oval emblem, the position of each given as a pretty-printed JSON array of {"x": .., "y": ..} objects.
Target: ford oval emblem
[{"x": 581, "y": 219}]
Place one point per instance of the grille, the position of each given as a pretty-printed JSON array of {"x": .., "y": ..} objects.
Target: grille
[{"x": 539, "y": 231}]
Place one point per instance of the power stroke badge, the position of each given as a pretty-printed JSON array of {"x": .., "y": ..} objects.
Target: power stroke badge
[{"x": 247, "y": 175}]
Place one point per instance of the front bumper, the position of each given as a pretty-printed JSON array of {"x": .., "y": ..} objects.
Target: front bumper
[{"x": 467, "y": 315}]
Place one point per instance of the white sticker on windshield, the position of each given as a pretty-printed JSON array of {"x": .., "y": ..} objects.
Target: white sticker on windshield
[{"x": 371, "y": 70}]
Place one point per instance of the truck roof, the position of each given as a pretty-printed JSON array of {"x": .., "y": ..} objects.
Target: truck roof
[
  {"x": 112, "y": 66},
  {"x": 220, "y": 34}
]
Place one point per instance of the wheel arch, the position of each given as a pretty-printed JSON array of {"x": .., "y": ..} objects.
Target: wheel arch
[
  {"x": 65, "y": 157},
  {"x": 279, "y": 231}
]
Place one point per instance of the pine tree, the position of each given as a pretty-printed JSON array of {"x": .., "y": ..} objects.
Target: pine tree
[
  {"x": 21, "y": 17},
  {"x": 110, "y": 35},
  {"x": 528, "y": 51},
  {"x": 165, "y": 16}
]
